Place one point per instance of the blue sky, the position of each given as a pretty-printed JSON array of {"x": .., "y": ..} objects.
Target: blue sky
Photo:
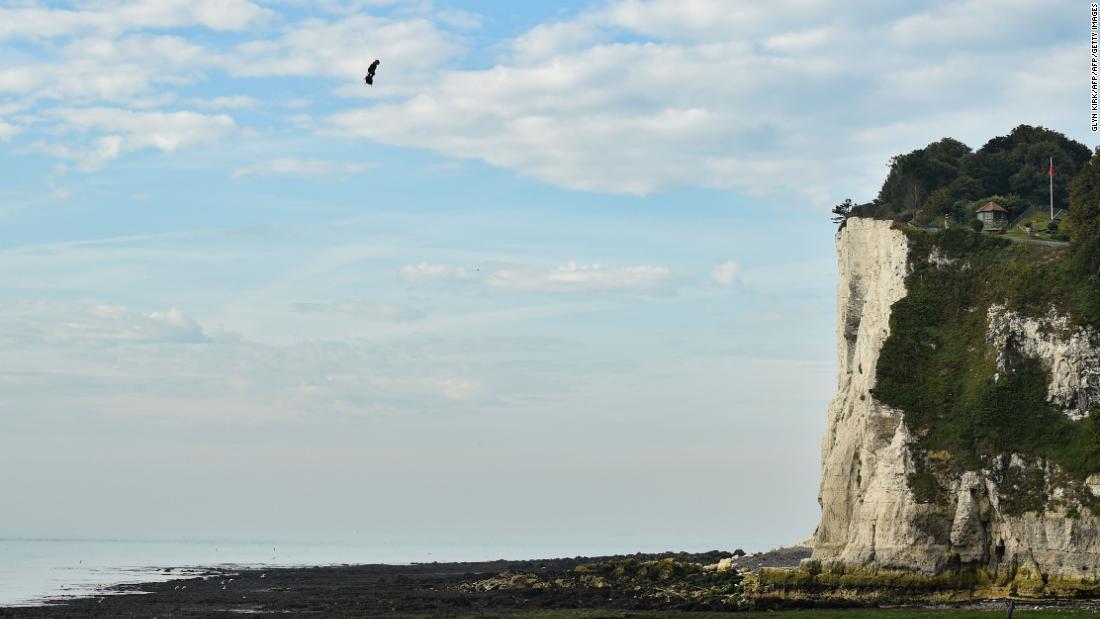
[{"x": 563, "y": 276}]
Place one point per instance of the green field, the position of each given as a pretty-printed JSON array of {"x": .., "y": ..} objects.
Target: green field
[{"x": 1038, "y": 218}]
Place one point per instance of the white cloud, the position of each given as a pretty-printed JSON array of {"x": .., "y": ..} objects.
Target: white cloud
[
  {"x": 797, "y": 41},
  {"x": 725, "y": 273},
  {"x": 697, "y": 19},
  {"x": 129, "y": 131},
  {"x": 455, "y": 389},
  {"x": 458, "y": 389},
  {"x": 342, "y": 49},
  {"x": 233, "y": 102},
  {"x": 308, "y": 168},
  {"x": 7, "y": 131},
  {"x": 630, "y": 96},
  {"x": 977, "y": 23},
  {"x": 362, "y": 309},
  {"x": 112, "y": 17},
  {"x": 427, "y": 272},
  {"x": 106, "y": 68},
  {"x": 338, "y": 7},
  {"x": 573, "y": 278},
  {"x": 154, "y": 362},
  {"x": 549, "y": 40},
  {"x": 638, "y": 96},
  {"x": 603, "y": 118},
  {"x": 120, "y": 325}
]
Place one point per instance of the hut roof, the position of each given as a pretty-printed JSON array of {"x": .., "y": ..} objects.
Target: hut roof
[{"x": 992, "y": 207}]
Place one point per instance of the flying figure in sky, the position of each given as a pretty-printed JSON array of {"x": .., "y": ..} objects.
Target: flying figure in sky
[{"x": 369, "y": 79}]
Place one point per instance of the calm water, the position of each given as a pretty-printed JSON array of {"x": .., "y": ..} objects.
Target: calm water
[{"x": 34, "y": 571}]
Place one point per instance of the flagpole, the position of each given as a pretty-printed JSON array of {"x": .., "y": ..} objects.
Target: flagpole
[{"x": 1051, "y": 177}]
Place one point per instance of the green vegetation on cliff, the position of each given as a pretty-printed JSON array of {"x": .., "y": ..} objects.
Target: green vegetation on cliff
[
  {"x": 939, "y": 367},
  {"x": 938, "y": 364}
]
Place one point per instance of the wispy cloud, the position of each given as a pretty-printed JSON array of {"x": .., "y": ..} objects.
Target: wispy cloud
[
  {"x": 102, "y": 323},
  {"x": 574, "y": 277},
  {"x": 725, "y": 273},
  {"x": 424, "y": 271},
  {"x": 570, "y": 277},
  {"x": 128, "y": 130},
  {"x": 306, "y": 168},
  {"x": 362, "y": 309}
]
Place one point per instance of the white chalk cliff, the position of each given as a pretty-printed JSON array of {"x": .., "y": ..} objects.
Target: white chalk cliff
[{"x": 869, "y": 516}]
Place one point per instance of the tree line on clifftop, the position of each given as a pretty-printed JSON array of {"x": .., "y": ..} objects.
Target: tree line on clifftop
[{"x": 947, "y": 180}]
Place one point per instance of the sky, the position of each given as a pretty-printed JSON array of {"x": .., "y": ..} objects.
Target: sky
[{"x": 563, "y": 277}]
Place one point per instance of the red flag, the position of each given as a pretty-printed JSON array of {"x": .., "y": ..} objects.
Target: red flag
[{"x": 1050, "y": 172}]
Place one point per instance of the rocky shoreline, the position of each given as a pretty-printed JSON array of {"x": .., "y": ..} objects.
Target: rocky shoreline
[
  {"x": 640, "y": 582},
  {"x": 639, "y": 585}
]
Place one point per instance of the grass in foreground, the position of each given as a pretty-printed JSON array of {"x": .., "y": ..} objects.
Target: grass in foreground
[{"x": 809, "y": 614}]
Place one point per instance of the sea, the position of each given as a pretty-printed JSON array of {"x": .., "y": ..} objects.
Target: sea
[{"x": 41, "y": 571}]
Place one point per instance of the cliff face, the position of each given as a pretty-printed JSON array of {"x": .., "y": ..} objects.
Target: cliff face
[{"x": 1013, "y": 517}]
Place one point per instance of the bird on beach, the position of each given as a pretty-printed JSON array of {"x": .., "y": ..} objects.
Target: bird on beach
[{"x": 369, "y": 79}]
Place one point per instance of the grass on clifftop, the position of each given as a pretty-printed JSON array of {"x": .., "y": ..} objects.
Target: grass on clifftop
[{"x": 938, "y": 367}]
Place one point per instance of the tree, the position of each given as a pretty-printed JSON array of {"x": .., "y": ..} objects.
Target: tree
[
  {"x": 940, "y": 179},
  {"x": 948, "y": 200},
  {"x": 1017, "y": 163},
  {"x": 842, "y": 211},
  {"x": 991, "y": 170},
  {"x": 914, "y": 175},
  {"x": 1084, "y": 203}
]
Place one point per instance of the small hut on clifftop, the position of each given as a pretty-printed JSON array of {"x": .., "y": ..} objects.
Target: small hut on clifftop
[{"x": 993, "y": 216}]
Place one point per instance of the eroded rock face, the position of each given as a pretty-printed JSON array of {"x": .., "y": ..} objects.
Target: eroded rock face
[
  {"x": 1071, "y": 354},
  {"x": 870, "y": 517},
  {"x": 868, "y": 514}
]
